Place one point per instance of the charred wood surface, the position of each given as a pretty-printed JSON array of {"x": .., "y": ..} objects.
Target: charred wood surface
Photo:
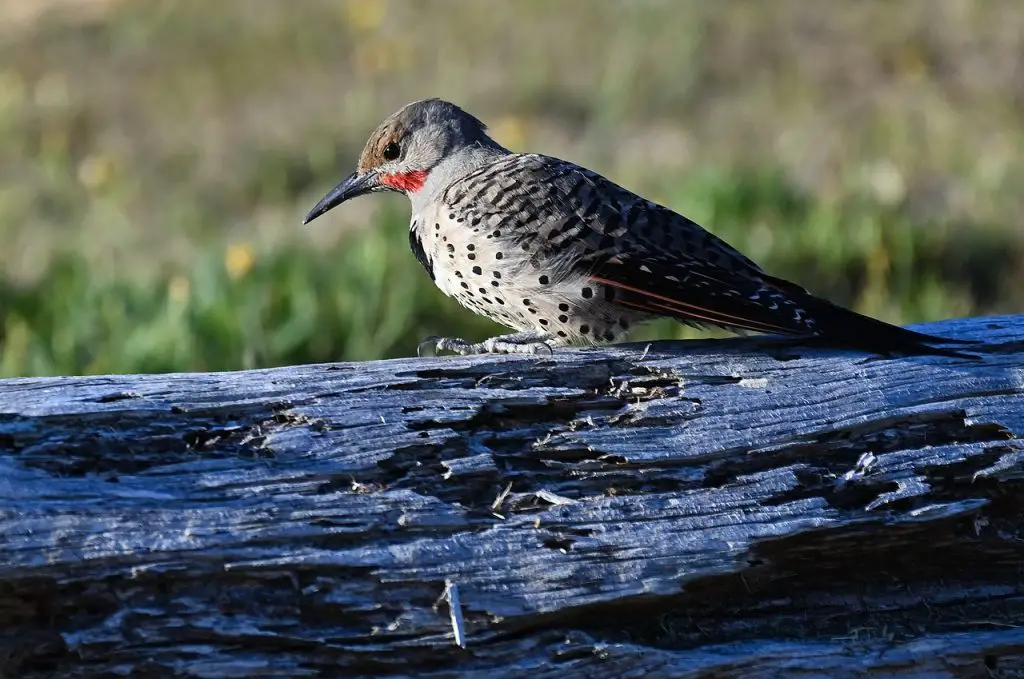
[{"x": 733, "y": 508}]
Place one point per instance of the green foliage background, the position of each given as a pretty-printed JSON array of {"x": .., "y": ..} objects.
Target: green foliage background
[{"x": 157, "y": 158}]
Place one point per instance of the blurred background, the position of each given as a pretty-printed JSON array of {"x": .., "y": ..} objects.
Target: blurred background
[{"x": 157, "y": 157}]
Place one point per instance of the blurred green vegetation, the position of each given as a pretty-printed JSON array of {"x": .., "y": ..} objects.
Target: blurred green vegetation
[{"x": 158, "y": 157}]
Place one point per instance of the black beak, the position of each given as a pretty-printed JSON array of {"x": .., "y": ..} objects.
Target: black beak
[{"x": 354, "y": 185}]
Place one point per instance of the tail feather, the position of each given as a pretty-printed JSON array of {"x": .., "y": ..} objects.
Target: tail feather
[
  {"x": 704, "y": 294},
  {"x": 839, "y": 326},
  {"x": 843, "y": 327}
]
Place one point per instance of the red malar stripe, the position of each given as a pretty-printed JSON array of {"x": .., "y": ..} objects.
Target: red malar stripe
[{"x": 405, "y": 181}]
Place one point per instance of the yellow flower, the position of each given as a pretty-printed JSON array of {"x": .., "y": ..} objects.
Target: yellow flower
[
  {"x": 239, "y": 260},
  {"x": 911, "y": 62},
  {"x": 178, "y": 289},
  {"x": 95, "y": 171},
  {"x": 365, "y": 15},
  {"x": 510, "y": 131}
]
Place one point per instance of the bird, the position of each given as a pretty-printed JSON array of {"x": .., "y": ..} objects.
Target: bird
[{"x": 563, "y": 256}]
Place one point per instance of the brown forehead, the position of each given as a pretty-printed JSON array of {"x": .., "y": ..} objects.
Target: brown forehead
[{"x": 373, "y": 154}]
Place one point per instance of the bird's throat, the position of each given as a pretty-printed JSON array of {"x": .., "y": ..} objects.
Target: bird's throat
[{"x": 409, "y": 182}]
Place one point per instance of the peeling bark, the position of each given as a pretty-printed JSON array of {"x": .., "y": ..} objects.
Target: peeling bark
[{"x": 733, "y": 508}]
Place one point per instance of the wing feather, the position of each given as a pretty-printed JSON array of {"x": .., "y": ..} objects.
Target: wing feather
[
  {"x": 740, "y": 303},
  {"x": 569, "y": 221}
]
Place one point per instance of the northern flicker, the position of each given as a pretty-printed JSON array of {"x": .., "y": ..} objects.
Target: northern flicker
[{"x": 564, "y": 256}]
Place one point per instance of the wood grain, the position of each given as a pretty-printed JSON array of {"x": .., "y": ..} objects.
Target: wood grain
[{"x": 731, "y": 508}]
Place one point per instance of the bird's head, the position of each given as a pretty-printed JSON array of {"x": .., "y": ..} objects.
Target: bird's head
[{"x": 406, "y": 149}]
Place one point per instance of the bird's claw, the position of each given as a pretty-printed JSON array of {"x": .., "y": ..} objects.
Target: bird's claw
[
  {"x": 494, "y": 345},
  {"x": 425, "y": 342},
  {"x": 497, "y": 345},
  {"x": 455, "y": 344},
  {"x": 439, "y": 344}
]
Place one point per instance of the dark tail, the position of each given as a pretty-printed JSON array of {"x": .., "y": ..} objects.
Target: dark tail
[{"x": 841, "y": 327}]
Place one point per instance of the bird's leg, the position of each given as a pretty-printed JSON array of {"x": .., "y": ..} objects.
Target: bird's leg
[{"x": 530, "y": 342}]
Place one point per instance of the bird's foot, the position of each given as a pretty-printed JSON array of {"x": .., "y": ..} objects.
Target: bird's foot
[{"x": 517, "y": 343}]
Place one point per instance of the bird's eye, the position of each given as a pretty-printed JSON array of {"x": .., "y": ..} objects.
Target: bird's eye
[{"x": 391, "y": 151}]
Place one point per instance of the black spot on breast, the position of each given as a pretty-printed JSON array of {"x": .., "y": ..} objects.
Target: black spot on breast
[
  {"x": 563, "y": 307},
  {"x": 471, "y": 256},
  {"x": 465, "y": 285},
  {"x": 543, "y": 321},
  {"x": 584, "y": 329},
  {"x": 543, "y": 280},
  {"x": 499, "y": 300},
  {"x": 421, "y": 255},
  {"x": 451, "y": 248},
  {"x": 458, "y": 274},
  {"x": 497, "y": 274},
  {"x": 563, "y": 319},
  {"x": 477, "y": 270},
  {"x": 471, "y": 247},
  {"x": 587, "y": 293},
  {"x": 561, "y": 333},
  {"x": 498, "y": 255},
  {"x": 495, "y": 283},
  {"x": 483, "y": 291}
]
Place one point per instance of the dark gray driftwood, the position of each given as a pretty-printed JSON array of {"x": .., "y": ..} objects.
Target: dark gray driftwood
[{"x": 736, "y": 508}]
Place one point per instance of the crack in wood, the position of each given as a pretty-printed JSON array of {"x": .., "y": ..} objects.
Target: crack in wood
[{"x": 110, "y": 443}]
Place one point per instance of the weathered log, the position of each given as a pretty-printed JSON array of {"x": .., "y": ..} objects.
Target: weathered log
[{"x": 731, "y": 508}]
